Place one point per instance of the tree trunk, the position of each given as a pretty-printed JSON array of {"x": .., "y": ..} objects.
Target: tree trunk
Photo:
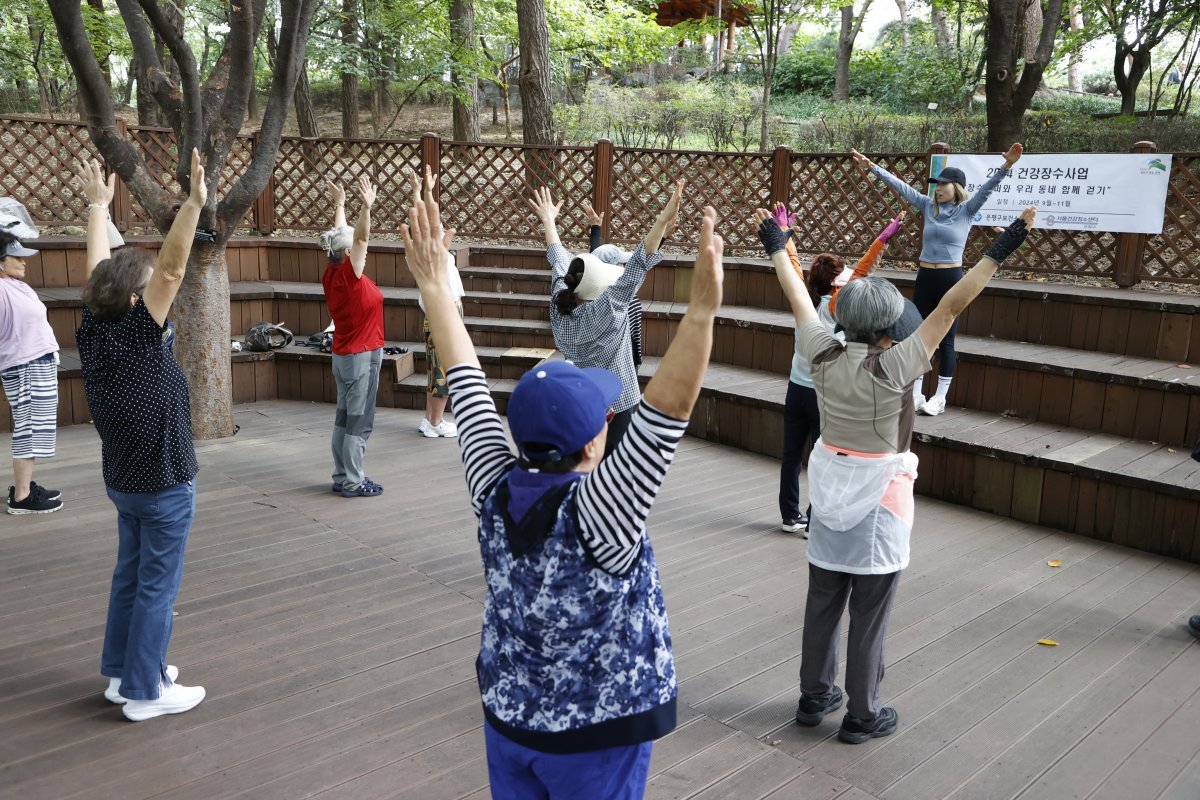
[
  {"x": 103, "y": 45},
  {"x": 1138, "y": 62},
  {"x": 466, "y": 104},
  {"x": 1075, "y": 60},
  {"x": 764, "y": 140},
  {"x": 306, "y": 117},
  {"x": 941, "y": 23},
  {"x": 1009, "y": 94},
  {"x": 788, "y": 34},
  {"x": 202, "y": 340},
  {"x": 845, "y": 48},
  {"x": 905, "y": 34},
  {"x": 350, "y": 112},
  {"x": 537, "y": 109}
]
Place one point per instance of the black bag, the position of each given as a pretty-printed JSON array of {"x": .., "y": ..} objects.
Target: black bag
[{"x": 267, "y": 336}]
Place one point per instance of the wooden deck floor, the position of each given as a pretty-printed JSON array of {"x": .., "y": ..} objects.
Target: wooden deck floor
[{"x": 336, "y": 639}]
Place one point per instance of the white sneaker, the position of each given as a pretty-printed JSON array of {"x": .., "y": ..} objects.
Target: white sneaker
[
  {"x": 113, "y": 693},
  {"x": 446, "y": 428},
  {"x": 172, "y": 699},
  {"x": 934, "y": 406},
  {"x": 428, "y": 430},
  {"x": 918, "y": 401}
]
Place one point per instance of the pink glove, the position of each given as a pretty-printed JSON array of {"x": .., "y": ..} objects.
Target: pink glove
[
  {"x": 784, "y": 219},
  {"x": 890, "y": 230}
]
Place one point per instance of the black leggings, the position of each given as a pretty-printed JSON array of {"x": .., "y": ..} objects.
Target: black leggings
[{"x": 931, "y": 287}]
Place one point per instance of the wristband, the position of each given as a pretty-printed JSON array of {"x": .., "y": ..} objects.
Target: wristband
[
  {"x": 205, "y": 235},
  {"x": 1008, "y": 241},
  {"x": 97, "y": 205}
]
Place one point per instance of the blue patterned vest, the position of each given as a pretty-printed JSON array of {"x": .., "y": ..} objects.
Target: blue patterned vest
[{"x": 572, "y": 658}]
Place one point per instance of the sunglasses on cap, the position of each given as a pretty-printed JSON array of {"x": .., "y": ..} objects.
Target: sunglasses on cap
[{"x": 608, "y": 416}]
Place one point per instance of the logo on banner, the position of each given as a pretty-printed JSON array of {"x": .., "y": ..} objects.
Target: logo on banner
[
  {"x": 1153, "y": 167},
  {"x": 1049, "y": 221},
  {"x": 978, "y": 216}
]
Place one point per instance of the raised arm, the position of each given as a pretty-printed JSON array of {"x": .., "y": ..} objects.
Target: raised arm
[
  {"x": 171, "y": 264},
  {"x": 666, "y": 220},
  {"x": 935, "y": 326},
  {"x": 908, "y": 194},
  {"x": 546, "y": 209},
  {"x": 595, "y": 226},
  {"x": 775, "y": 241},
  {"x": 676, "y": 384},
  {"x": 99, "y": 194},
  {"x": 871, "y": 258},
  {"x": 1011, "y": 156},
  {"x": 362, "y": 228},
  {"x": 337, "y": 196}
]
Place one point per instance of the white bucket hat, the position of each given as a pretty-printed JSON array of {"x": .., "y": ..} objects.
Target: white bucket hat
[
  {"x": 611, "y": 254},
  {"x": 597, "y": 276}
]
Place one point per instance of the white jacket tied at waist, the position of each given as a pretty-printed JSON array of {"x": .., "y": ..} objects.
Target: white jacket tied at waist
[{"x": 851, "y": 531}]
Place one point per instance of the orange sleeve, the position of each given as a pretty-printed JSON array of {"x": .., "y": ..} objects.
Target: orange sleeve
[
  {"x": 861, "y": 270},
  {"x": 795, "y": 258}
]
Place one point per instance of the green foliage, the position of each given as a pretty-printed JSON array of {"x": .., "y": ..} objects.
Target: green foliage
[
  {"x": 807, "y": 66},
  {"x": 701, "y": 115}
]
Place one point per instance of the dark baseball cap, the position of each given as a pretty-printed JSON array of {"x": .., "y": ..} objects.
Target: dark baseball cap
[
  {"x": 951, "y": 175},
  {"x": 557, "y": 408},
  {"x": 906, "y": 324}
]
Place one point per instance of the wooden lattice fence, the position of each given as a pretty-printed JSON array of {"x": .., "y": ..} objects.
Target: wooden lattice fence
[{"x": 483, "y": 188}]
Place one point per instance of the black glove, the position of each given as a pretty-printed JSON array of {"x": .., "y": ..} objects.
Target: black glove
[
  {"x": 1008, "y": 241},
  {"x": 772, "y": 236}
]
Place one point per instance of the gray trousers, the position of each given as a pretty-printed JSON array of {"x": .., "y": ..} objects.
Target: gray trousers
[
  {"x": 871, "y": 599},
  {"x": 357, "y": 379}
]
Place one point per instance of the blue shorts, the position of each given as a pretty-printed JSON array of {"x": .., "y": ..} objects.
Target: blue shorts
[{"x": 517, "y": 772}]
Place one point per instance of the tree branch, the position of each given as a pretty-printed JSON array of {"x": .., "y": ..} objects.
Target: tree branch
[
  {"x": 245, "y": 21},
  {"x": 191, "y": 123},
  {"x": 151, "y": 73},
  {"x": 295, "y": 17}
]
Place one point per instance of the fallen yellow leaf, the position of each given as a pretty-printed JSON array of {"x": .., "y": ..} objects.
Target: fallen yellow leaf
[
  {"x": 1054, "y": 563},
  {"x": 1048, "y": 642}
]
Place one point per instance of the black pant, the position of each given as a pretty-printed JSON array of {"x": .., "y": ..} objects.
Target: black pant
[
  {"x": 616, "y": 429},
  {"x": 928, "y": 291},
  {"x": 801, "y": 425}
]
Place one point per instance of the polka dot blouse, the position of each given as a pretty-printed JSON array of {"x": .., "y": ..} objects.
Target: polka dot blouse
[{"x": 138, "y": 396}]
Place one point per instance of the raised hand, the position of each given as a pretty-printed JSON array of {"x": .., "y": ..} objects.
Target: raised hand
[
  {"x": 1013, "y": 155},
  {"x": 668, "y": 217},
  {"x": 709, "y": 275},
  {"x": 366, "y": 190},
  {"x": 92, "y": 183},
  {"x": 426, "y": 242},
  {"x": 199, "y": 190},
  {"x": 773, "y": 238},
  {"x": 1012, "y": 236},
  {"x": 590, "y": 213},
  {"x": 544, "y": 206},
  {"x": 893, "y": 227},
  {"x": 782, "y": 216},
  {"x": 861, "y": 160},
  {"x": 337, "y": 195}
]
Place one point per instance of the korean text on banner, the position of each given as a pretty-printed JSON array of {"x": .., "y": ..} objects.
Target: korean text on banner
[{"x": 1116, "y": 192}]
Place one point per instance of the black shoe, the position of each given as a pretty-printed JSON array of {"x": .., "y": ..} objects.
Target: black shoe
[
  {"x": 857, "y": 731},
  {"x": 49, "y": 494},
  {"x": 1194, "y": 625},
  {"x": 34, "y": 503},
  {"x": 811, "y": 710}
]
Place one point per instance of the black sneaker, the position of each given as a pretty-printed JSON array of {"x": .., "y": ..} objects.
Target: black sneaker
[
  {"x": 1194, "y": 625},
  {"x": 34, "y": 503},
  {"x": 857, "y": 731},
  {"x": 49, "y": 494},
  {"x": 811, "y": 710}
]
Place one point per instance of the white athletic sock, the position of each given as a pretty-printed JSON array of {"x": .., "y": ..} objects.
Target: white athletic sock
[
  {"x": 918, "y": 396},
  {"x": 943, "y": 387}
]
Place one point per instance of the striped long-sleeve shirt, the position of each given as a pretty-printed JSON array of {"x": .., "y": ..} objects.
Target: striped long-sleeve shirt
[
  {"x": 613, "y": 500},
  {"x": 596, "y": 333}
]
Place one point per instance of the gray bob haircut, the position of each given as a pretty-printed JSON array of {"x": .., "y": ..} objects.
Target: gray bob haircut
[
  {"x": 867, "y": 307},
  {"x": 335, "y": 241}
]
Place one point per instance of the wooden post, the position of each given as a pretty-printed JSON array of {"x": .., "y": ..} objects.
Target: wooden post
[
  {"x": 1131, "y": 247},
  {"x": 431, "y": 156},
  {"x": 264, "y": 206},
  {"x": 602, "y": 163},
  {"x": 122, "y": 202},
  {"x": 781, "y": 176}
]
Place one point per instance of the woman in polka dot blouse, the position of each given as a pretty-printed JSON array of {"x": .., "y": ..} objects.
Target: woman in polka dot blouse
[{"x": 138, "y": 397}]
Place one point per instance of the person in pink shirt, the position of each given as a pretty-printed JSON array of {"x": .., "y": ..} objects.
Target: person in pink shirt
[{"x": 29, "y": 370}]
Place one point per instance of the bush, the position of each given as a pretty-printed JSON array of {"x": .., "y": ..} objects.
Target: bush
[
  {"x": 807, "y": 67},
  {"x": 719, "y": 115}
]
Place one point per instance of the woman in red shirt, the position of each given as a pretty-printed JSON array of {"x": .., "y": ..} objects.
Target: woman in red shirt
[{"x": 356, "y": 305}]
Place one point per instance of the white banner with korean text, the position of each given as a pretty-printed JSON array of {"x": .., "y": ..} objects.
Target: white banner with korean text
[{"x": 1117, "y": 192}]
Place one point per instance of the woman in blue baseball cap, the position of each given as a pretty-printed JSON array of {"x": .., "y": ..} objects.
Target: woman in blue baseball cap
[
  {"x": 575, "y": 667},
  {"x": 948, "y": 217}
]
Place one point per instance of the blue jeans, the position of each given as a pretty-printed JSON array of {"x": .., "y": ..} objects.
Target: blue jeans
[
  {"x": 153, "y": 530},
  {"x": 517, "y": 772}
]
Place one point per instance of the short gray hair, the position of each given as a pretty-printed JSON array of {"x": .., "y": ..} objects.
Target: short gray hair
[
  {"x": 868, "y": 306},
  {"x": 114, "y": 280},
  {"x": 336, "y": 240}
]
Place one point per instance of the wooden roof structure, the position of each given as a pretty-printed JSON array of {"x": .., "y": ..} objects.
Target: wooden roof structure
[{"x": 672, "y": 12}]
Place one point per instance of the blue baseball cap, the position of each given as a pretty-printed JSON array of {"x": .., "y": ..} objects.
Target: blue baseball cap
[{"x": 558, "y": 407}]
